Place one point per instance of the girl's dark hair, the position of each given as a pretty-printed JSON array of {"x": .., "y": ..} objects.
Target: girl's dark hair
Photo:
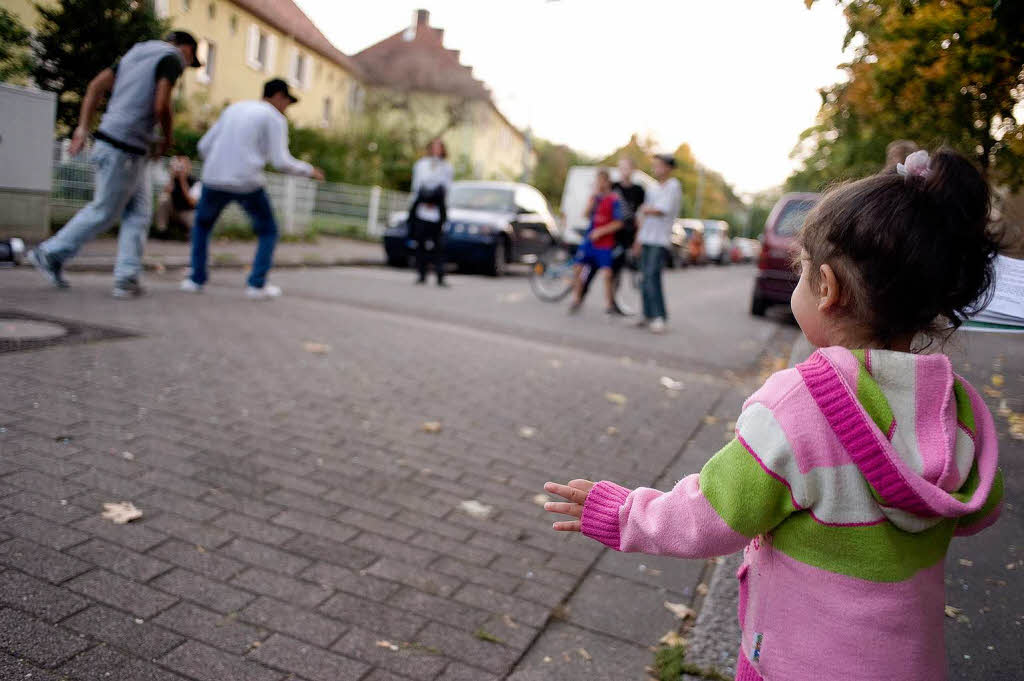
[{"x": 913, "y": 254}]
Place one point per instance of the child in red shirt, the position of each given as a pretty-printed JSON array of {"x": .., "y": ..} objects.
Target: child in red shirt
[{"x": 605, "y": 212}]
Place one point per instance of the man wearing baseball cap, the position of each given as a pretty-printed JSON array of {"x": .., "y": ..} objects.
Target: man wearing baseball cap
[
  {"x": 247, "y": 136},
  {"x": 140, "y": 86}
]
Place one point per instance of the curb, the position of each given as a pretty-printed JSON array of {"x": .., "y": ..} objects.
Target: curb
[{"x": 168, "y": 265}]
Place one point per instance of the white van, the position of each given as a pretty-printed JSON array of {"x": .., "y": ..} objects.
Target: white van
[{"x": 579, "y": 185}]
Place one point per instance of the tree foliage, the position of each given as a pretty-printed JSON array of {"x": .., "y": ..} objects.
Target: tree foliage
[
  {"x": 15, "y": 52},
  {"x": 77, "y": 39},
  {"x": 932, "y": 71},
  {"x": 552, "y": 167}
]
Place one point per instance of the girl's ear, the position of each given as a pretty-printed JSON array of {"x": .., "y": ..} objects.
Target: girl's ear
[{"x": 829, "y": 295}]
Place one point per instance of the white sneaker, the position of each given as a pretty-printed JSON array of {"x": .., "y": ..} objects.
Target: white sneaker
[
  {"x": 268, "y": 291},
  {"x": 658, "y": 326},
  {"x": 189, "y": 286}
]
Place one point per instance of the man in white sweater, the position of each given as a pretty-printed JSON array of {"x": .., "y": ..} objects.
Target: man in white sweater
[{"x": 247, "y": 136}]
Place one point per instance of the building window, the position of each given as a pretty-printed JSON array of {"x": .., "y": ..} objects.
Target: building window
[
  {"x": 234, "y": 24},
  {"x": 261, "y": 49},
  {"x": 355, "y": 98},
  {"x": 162, "y": 8},
  {"x": 325, "y": 120},
  {"x": 212, "y": 10},
  {"x": 207, "y": 54},
  {"x": 299, "y": 71}
]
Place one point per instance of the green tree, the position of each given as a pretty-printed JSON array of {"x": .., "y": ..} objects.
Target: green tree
[
  {"x": 79, "y": 38},
  {"x": 553, "y": 163},
  {"x": 15, "y": 53},
  {"x": 933, "y": 71}
]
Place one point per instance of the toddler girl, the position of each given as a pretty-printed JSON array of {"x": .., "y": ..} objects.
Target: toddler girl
[{"x": 849, "y": 474}]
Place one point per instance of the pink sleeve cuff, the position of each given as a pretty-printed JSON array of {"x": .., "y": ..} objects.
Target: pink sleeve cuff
[{"x": 600, "y": 519}]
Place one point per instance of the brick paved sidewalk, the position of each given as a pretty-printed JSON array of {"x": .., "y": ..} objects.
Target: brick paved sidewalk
[
  {"x": 298, "y": 522},
  {"x": 99, "y": 255}
]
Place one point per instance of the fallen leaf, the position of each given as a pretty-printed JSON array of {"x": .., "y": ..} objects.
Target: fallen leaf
[
  {"x": 710, "y": 420},
  {"x": 510, "y": 297},
  {"x": 584, "y": 654},
  {"x": 541, "y": 499},
  {"x": 127, "y": 456},
  {"x": 316, "y": 348},
  {"x": 555, "y": 363},
  {"x": 527, "y": 432},
  {"x": 670, "y": 383},
  {"x": 966, "y": 563},
  {"x": 991, "y": 392},
  {"x": 612, "y": 430},
  {"x": 121, "y": 512},
  {"x": 1011, "y": 566},
  {"x": 702, "y": 589},
  {"x": 952, "y": 612},
  {"x": 680, "y": 610},
  {"x": 431, "y": 427},
  {"x": 616, "y": 398},
  {"x": 476, "y": 509},
  {"x": 387, "y": 644},
  {"x": 255, "y": 644},
  {"x": 672, "y": 639},
  {"x": 997, "y": 380},
  {"x": 509, "y": 622},
  {"x": 547, "y": 659}
]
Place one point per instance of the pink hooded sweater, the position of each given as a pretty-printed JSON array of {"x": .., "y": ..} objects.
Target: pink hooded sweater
[{"x": 847, "y": 479}]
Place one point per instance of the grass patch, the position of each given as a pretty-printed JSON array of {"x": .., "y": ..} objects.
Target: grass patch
[
  {"x": 485, "y": 635},
  {"x": 670, "y": 664}
]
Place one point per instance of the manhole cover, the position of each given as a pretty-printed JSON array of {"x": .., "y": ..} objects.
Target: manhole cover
[
  {"x": 21, "y": 329},
  {"x": 24, "y": 331}
]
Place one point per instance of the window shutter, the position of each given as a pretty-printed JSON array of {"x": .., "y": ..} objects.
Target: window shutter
[
  {"x": 252, "y": 50},
  {"x": 271, "y": 53}
]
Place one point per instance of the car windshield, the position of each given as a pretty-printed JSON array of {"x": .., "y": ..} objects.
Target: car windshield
[
  {"x": 792, "y": 219},
  {"x": 480, "y": 198}
]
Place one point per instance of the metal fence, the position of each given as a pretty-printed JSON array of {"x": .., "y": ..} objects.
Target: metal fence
[{"x": 301, "y": 205}]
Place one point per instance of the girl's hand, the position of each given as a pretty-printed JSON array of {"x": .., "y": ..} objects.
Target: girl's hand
[{"x": 576, "y": 493}]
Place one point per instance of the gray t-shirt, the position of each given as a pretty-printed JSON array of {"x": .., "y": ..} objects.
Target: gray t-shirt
[{"x": 667, "y": 197}]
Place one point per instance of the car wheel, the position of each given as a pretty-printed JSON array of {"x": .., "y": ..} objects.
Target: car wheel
[
  {"x": 397, "y": 261},
  {"x": 498, "y": 263},
  {"x": 758, "y": 306}
]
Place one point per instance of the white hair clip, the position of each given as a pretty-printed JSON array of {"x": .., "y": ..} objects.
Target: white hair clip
[{"x": 918, "y": 164}]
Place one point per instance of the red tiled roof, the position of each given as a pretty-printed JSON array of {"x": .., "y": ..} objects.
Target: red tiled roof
[
  {"x": 415, "y": 59},
  {"x": 285, "y": 16}
]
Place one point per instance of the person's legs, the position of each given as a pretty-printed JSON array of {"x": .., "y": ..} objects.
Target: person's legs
[
  {"x": 135, "y": 221},
  {"x": 658, "y": 301},
  {"x": 164, "y": 211},
  {"x": 609, "y": 288},
  {"x": 577, "y": 285},
  {"x": 257, "y": 205},
  {"x": 438, "y": 236},
  {"x": 116, "y": 178},
  {"x": 211, "y": 204},
  {"x": 647, "y": 290}
]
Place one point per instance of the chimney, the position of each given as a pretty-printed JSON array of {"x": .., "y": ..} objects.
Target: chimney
[{"x": 422, "y": 18}]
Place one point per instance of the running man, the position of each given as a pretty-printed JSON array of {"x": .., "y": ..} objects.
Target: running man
[
  {"x": 247, "y": 136},
  {"x": 140, "y": 85}
]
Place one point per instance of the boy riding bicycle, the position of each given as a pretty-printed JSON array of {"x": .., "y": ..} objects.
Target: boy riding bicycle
[{"x": 605, "y": 212}]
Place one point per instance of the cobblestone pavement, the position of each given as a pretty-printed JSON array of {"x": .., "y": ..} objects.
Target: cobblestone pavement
[{"x": 298, "y": 522}]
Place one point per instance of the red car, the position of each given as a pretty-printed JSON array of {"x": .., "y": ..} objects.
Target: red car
[{"x": 775, "y": 276}]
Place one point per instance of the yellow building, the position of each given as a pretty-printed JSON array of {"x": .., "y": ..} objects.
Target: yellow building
[{"x": 409, "y": 80}]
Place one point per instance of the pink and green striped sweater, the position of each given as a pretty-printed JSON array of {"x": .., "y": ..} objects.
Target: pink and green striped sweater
[{"x": 847, "y": 479}]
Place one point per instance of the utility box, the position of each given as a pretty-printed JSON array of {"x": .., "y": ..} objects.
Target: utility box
[{"x": 27, "y": 119}]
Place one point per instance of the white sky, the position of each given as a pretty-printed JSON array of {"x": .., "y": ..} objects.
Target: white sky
[{"x": 736, "y": 79}]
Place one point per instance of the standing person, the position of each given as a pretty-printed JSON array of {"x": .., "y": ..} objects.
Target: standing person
[
  {"x": 247, "y": 136},
  {"x": 660, "y": 209},
  {"x": 140, "y": 84},
  {"x": 432, "y": 177},
  {"x": 605, "y": 212},
  {"x": 850, "y": 474},
  {"x": 631, "y": 197}
]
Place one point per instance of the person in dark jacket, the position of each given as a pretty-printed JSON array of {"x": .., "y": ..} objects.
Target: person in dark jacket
[{"x": 432, "y": 177}]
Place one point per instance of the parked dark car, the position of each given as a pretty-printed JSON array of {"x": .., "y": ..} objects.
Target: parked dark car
[
  {"x": 490, "y": 225},
  {"x": 776, "y": 278}
]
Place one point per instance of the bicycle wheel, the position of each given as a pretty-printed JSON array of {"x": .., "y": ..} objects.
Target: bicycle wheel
[{"x": 552, "y": 275}]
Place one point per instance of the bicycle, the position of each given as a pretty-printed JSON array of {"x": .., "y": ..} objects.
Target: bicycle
[{"x": 553, "y": 275}]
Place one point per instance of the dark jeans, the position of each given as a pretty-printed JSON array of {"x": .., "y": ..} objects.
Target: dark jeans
[
  {"x": 257, "y": 206},
  {"x": 652, "y": 259},
  {"x": 429, "y": 248}
]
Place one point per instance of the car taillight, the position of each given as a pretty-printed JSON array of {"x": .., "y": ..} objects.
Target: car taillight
[{"x": 762, "y": 259}]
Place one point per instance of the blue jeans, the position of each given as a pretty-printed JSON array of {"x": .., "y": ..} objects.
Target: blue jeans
[
  {"x": 652, "y": 259},
  {"x": 257, "y": 206},
  {"x": 123, "y": 190}
]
